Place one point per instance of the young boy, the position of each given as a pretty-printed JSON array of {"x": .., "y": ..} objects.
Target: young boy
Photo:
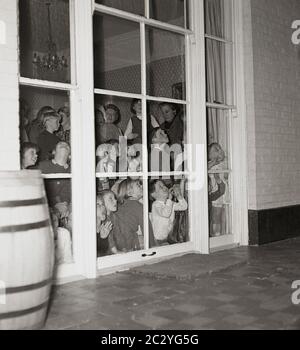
[
  {"x": 60, "y": 162},
  {"x": 29, "y": 155},
  {"x": 164, "y": 208}
]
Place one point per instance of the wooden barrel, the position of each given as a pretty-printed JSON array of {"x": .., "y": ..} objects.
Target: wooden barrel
[{"x": 26, "y": 251}]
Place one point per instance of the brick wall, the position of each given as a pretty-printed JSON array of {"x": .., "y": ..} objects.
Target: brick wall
[
  {"x": 274, "y": 111},
  {"x": 9, "y": 105}
]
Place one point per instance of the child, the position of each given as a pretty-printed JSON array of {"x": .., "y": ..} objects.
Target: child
[
  {"x": 60, "y": 162},
  {"x": 107, "y": 154},
  {"x": 216, "y": 158},
  {"x": 109, "y": 130},
  {"x": 111, "y": 205},
  {"x": 160, "y": 152},
  {"x": 134, "y": 129},
  {"x": 172, "y": 124},
  {"x": 63, "y": 242},
  {"x": 164, "y": 208},
  {"x": 104, "y": 227},
  {"x": 134, "y": 158},
  {"x": 47, "y": 139},
  {"x": 29, "y": 155}
]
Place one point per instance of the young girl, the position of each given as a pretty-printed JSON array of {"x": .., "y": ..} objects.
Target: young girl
[
  {"x": 109, "y": 130},
  {"x": 104, "y": 227},
  {"x": 164, "y": 208},
  {"x": 216, "y": 158}
]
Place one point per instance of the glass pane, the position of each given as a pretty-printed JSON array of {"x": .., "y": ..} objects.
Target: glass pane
[
  {"x": 168, "y": 211},
  {"x": 118, "y": 125},
  {"x": 165, "y": 64},
  {"x": 168, "y": 11},
  {"x": 120, "y": 218},
  {"x": 218, "y": 140},
  {"x": 44, "y": 122},
  {"x": 166, "y": 136},
  {"x": 219, "y": 72},
  {"x": 60, "y": 205},
  {"x": 117, "y": 54},
  {"x": 218, "y": 18},
  {"x": 220, "y": 208},
  {"x": 133, "y": 6},
  {"x": 45, "y": 40}
]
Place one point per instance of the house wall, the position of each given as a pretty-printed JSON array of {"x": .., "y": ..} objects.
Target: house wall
[
  {"x": 9, "y": 100},
  {"x": 273, "y": 108}
]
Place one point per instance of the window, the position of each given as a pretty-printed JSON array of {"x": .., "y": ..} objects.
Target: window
[
  {"x": 47, "y": 79},
  {"x": 109, "y": 108},
  {"x": 220, "y": 99},
  {"x": 140, "y": 118}
]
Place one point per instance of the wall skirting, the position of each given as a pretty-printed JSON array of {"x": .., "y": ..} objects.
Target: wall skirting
[{"x": 271, "y": 225}]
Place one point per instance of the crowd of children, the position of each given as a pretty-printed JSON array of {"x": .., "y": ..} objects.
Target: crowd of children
[{"x": 120, "y": 217}]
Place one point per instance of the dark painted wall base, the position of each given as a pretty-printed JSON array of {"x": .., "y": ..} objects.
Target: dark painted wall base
[{"x": 272, "y": 225}]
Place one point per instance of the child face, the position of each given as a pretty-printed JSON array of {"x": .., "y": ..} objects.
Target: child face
[
  {"x": 138, "y": 107},
  {"x": 214, "y": 153},
  {"x": 101, "y": 211},
  {"x": 53, "y": 123},
  {"x": 30, "y": 157},
  {"x": 111, "y": 116},
  {"x": 131, "y": 151},
  {"x": 62, "y": 152},
  {"x": 168, "y": 113},
  {"x": 65, "y": 119},
  {"x": 161, "y": 191},
  {"x": 110, "y": 203},
  {"x": 160, "y": 137},
  {"x": 136, "y": 190}
]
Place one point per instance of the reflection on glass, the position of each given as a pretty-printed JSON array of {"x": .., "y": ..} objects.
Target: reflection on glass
[
  {"x": 132, "y": 6},
  {"x": 165, "y": 64},
  {"x": 218, "y": 18},
  {"x": 167, "y": 139},
  {"x": 117, "y": 56},
  {"x": 168, "y": 11},
  {"x": 219, "y": 72},
  {"x": 120, "y": 218},
  {"x": 218, "y": 140},
  {"x": 44, "y": 122},
  {"x": 220, "y": 209},
  {"x": 60, "y": 206},
  {"x": 168, "y": 206},
  {"x": 118, "y": 125},
  {"x": 45, "y": 40}
]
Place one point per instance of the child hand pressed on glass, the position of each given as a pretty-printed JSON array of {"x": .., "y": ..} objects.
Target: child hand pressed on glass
[{"x": 164, "y": 208}]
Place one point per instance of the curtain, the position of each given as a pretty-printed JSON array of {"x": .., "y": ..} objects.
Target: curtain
[{"x": 215, "y": 72}]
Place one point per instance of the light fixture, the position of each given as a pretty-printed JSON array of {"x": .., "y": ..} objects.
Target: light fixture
[{"x": 50, "y": 61}]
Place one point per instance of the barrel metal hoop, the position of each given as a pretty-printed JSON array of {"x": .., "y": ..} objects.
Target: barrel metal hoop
[
  {"x": 23, "y": 203},
  {"x": 27, "y": 288},
  {"x": 26, "y": 227},
  {"x": 25, "y": 312}
]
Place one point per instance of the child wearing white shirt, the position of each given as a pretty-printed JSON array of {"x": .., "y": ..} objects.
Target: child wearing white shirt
[{"x": 164, "y": 208}]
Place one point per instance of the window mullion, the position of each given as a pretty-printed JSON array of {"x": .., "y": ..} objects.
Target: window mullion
[
  {"x": 147, "y": 9},
  {"x": 144, "y": 138}
]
